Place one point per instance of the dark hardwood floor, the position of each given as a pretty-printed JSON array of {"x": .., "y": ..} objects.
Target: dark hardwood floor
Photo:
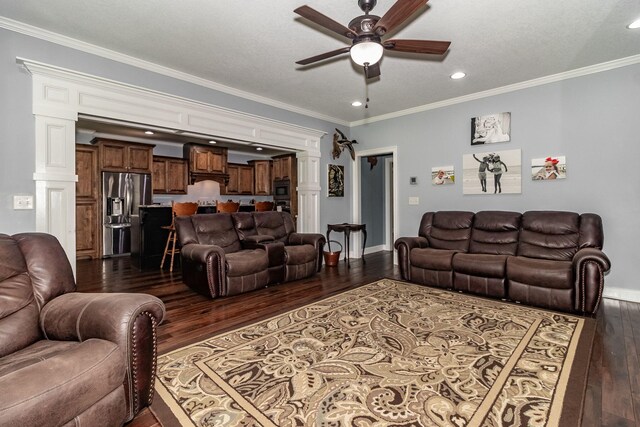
[{"x": 613, "y": 386}]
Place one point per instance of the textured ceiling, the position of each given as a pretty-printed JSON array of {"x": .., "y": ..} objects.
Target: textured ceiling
[{"x": 252, "y": 45}]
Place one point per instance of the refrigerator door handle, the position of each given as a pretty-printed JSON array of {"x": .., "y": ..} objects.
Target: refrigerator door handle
[{"x": 117, "y": 225}]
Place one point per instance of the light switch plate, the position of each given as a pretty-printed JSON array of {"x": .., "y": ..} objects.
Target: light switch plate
[
  {"x": 414, "y": 200},
  {"x": 23, "y": 202}
]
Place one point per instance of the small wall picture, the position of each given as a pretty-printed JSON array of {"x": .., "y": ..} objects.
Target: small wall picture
[
  {"x": 335, "y": 184},
  {"x": 498, "y": 172},
  {"x": 442, "y": 175},
  {"x": 491, "y": 128},
  {"x": 549, "y": 168}
]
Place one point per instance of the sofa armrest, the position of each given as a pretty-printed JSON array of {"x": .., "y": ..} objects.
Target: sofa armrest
[
  {"x": 274, "y": 250},
  {"x": 404, "y": 245},
  {"x": 214, "y": 260},
  {"x": 258, "y": 238},
  {"x": 126, "y": 319},
  {"x": 316, "y": 240},
  {"x": 589, "y": 266}
]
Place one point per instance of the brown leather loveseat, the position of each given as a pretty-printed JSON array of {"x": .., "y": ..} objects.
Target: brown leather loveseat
[
  {"x": 548, "y": 259},
  {"x": 69, "y": 358},
  {"x": 231, "y": 253}
]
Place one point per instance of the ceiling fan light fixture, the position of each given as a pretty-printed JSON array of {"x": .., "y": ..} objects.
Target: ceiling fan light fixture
[{"x": 366, "y": 52}]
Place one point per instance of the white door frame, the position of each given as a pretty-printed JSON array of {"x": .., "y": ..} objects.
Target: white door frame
[{"x": 356, "y": 243}]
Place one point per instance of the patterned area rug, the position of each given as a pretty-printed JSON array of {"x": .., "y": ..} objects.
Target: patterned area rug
[{"x": 387, "y": 353}]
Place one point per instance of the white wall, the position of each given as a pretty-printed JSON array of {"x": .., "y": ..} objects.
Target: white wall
[{"x": 593, "y": 120}]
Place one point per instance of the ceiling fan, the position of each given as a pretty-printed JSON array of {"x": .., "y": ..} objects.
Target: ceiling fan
[{"x": 367, "y": 31}]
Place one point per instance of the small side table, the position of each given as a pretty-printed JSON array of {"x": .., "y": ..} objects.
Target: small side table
[{"x": 347, "y": 228}]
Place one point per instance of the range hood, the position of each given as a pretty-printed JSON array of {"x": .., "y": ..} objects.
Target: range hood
[{"x": 221, "y": 178}]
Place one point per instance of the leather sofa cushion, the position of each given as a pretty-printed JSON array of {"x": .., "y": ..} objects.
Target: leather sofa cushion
[
  {"x": 447, "y": 229},
  {"x": 57, "y": 380},
  {"x": 481, "y": 265},
  {"x": 216, "y": 229},
  {"x": 540, "y": 272},
  {"x": 432, "y": 259},
  {"x": 300, "y": 254},
  {"x": 246, "y": 262},
  {"x": 495, "y": 232},
  {"x": 549, "y": 235},
  {"x": 272, "y": 224}
]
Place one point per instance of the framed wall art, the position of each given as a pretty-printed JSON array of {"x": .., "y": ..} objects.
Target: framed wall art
[
  {"x": 549, "y": 168},
  {"x": 498, "y": 172},
  {"x": 335, "y": 181},
  {"x": 491, "y": 128},
  {"x": 442, "y": 175}
]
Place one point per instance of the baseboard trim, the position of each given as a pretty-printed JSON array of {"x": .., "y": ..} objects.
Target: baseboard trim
[
  {"x": 356, "y": 252},
  {"x": 623, "y": 294}
]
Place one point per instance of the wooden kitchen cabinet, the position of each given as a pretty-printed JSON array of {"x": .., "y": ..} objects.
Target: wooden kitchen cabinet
[
  {"x": 240, "y": 179},
  {"x": 282, "y": 166},
  {"x": 170, "y": 175},
  {"x": 203, "y": 159},
  {"x": 261, "y": 177},
  {"x": 121, "y": 156},
  {"x": 87, "y": 202}
]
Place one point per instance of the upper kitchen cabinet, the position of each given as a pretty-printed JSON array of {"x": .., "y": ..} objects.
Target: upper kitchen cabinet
[
  {"x": 240, "y": 179},
  {"x": 261, "y": 177},
  {"x": 203, "y": 159},
  {"x": 121, "y": 156},
  {"x": 170, "y": 175},
  {"x": 282, "y": 166}
]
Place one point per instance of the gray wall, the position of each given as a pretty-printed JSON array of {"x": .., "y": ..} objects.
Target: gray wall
[
  {"x": 17, "y": 133},
  {"x": 592, "y": 120}
]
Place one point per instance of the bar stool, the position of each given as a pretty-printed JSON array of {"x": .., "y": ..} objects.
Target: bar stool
[
  {"x": 227, "y": 206},
  {"x": 264, "y": 206},
  {"x": 177, "y": 209}
]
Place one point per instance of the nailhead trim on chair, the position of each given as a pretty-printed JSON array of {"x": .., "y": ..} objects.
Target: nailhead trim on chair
[
  {"x": 582, "y": 286},
  {"x": 154, "y": 324}
]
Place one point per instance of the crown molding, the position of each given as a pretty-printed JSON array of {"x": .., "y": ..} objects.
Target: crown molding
[
  {"x": 49, "y": 36},
  {"x": 579, "y": 72}
]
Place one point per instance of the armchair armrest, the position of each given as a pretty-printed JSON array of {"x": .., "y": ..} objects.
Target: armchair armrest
[
  {"x": 128, "y": 320},
  {"x": 589, "y": 266},
  {"x": 404, "y": 245}
]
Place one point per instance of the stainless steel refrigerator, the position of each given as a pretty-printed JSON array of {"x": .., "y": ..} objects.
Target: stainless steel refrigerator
[{"x": 123, "y": 194}]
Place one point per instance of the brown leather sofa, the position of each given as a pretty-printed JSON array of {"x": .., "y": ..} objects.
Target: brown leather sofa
[
  {"x": 231, "y": 253},
  {"x": 547, "y": 259},
  {"x": 69, "y": 358}
]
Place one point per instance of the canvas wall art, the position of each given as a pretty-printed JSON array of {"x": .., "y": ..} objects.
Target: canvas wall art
[
  {"x": 549, "y": 168},
  {"x": 491, "y": 128},
  {"x": 442, "y": 175},
  {"x": 335, "y": 184},
  {"x": 498, "y": 172}
]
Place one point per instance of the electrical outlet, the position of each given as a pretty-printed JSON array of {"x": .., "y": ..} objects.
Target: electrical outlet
[
  {"x": 23, "y": 202},
  {"x": 414, "y": 200}
]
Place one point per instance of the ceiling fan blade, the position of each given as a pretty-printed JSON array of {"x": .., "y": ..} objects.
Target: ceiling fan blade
[
  {"x": 324, "y": 21},
  {"x": 398, "y": 13},
  {"x": 322, "y": 56},
  {"x": 371, "y": 71},
  {"x": 417, "y": 46}
]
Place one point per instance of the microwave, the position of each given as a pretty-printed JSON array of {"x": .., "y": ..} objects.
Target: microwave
[{"x": 281, "y": 188}]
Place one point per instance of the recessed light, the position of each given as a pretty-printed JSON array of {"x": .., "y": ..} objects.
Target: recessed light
[
  {"x": 148, "y": 132},
  {"x": 458, "y": 75},
  {"x": 635, "y": 24},
  {"x": 213, "y": 142},
  {"x": 259, "y": 148},
  {"x": 356, "y": 103}
]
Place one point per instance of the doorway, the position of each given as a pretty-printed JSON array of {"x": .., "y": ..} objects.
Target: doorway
[{"x": 374, "y": 198}]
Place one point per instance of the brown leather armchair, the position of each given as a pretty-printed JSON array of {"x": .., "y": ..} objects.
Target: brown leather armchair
[{"x": 69, "y": 358}]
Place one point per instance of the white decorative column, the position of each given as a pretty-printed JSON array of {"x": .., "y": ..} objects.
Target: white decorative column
[
  {"x": 55, "y": 180},
  {"x": 308, "y": 192}
]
